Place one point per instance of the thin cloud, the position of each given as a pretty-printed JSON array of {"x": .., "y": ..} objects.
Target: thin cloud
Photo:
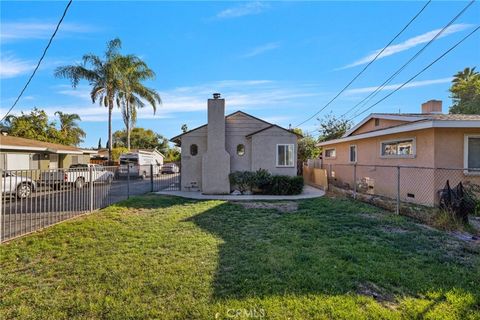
[
  {"x": 11, "y": 67},
  {"x": 11, "y": 31},
  {"x": 413, "y": 84},
  {"x": 261, "y": 49},
  {"x": 408, "y": 44},
  {"x": 246, "y": 9}
]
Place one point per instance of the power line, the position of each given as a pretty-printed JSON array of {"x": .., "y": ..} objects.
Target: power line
[
  {"x": 365, "y": 68},
  {"x": 39, "y": 61},
  {"x": 368, "y": 98},
  {"x": 416, "y": 75}
]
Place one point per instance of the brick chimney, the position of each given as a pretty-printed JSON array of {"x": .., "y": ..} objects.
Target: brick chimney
[
  {"x": 216, "y": 161},
  {"x": 432, "y": 106}
]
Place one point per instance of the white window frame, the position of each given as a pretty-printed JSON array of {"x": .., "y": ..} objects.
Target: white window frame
[
  {"x": 325, "y": 153},
  {"x": 465, "y": 155},
  {"x": 397, "y": 156},
  {"x": 276, "y": 155},
  {"x": 349, "y": 153}
]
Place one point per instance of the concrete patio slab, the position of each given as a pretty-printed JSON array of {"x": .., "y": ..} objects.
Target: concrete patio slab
[{"x": 308, "y": 193}]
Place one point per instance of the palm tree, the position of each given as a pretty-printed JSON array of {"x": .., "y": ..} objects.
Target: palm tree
[
  {"x": 132, "y": 71},
  {"x": 102, "y": 75},
  {"x": 464, "y": 76},
  {"x": 70, "y": 132}
]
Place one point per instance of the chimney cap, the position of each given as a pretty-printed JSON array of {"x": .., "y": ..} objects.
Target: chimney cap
[{"x": 216, "y": 95}]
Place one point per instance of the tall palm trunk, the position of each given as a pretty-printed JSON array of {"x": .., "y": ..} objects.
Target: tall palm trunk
[{"x": 110, "y": 137}]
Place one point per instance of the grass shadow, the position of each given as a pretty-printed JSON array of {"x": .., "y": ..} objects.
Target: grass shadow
[{"x": 330, "y": 247}]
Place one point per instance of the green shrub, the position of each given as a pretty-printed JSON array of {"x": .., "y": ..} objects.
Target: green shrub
[
  {"x": 243, "y": 180},
  {"x": 263, "y": 182},
  {"x": 262, "y": 179},
  {"x": 285, "y": 185}
]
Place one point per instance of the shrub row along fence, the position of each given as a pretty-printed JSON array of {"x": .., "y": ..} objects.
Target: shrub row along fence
[
  {"x": 394, "y": 185},
  {"x": 35, "y": 199}
]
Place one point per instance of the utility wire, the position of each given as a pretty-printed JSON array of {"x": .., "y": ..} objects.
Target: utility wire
[
  {"x": 365, "y": 68},
  {"x": 416, "y": 75},
  {"x": 368, "y": 98},
  {"x": 39, "y": 61}
]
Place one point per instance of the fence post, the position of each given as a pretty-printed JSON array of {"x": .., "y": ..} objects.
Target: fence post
[
  {"x": 151, "y": 177},
  {"x": 354, "y": 181},
  {"x": 91, "y": 188},
  {"x": 398, "y": 190},
  {"x": 128, "y": 179}
]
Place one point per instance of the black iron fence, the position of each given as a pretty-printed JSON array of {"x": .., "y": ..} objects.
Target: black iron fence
[{"x": 34, "y": 199}]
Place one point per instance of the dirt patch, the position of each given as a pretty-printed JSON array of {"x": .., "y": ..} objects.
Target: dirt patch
[
  {"x": 280, "y": 206},
  {"x": 372, "y": 290}
]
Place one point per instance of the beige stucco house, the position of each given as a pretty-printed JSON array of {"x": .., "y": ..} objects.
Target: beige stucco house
[
  {"x": 236, "y": 142},
  {"x": 26, "y": 154},
  {"x": 429, "y": 139}
]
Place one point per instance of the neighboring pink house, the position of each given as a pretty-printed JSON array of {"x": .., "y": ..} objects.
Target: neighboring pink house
[{"x": 422, "y": 140}]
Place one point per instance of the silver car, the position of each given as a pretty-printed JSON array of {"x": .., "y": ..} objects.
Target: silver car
[{"x": 13, "y": 184}]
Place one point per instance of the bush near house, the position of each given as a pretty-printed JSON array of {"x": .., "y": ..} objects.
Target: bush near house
[{"x": 263, "y": 182}]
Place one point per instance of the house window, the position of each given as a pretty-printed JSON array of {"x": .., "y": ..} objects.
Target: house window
[
  {"x": 377, "y": 122},
  {"x": 193, "y": 149},
  {"x": 330, "y": 153},
  {"x": 285, "y": 156},
  {"x": 241, "y": 150},
  {"x": 353, "y": 153},
  {"x": 472, "y": 154},
  {"x": 74, "y": 159},
  {"x": 398, "y": 148}
]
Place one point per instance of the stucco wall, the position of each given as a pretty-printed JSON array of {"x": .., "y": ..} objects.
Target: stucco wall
[
  {"x": 435, "y": 148},
  {"x": 191, "y": 169},
  {"x": 237, "y": 127},
  {"x": 264, "y": 151}
]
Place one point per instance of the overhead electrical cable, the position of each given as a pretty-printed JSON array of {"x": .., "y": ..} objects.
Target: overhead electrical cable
[
  {"x": 39, "y": 61},
  {"x": 365, "y": 68}
]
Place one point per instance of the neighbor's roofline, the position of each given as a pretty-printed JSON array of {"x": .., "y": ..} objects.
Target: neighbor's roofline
[
  {"x": 399, "y": 117},
  {"x": 417, "y": 125}
]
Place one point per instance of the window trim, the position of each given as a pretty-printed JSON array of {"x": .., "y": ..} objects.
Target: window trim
[
  {"x": 465, "y": 155},
  {"x": 276, "y": 155},
  {"x": 325, "y": 153},
  {"x": 349, "y": 153},
  {"x": 397, "y": 156}
]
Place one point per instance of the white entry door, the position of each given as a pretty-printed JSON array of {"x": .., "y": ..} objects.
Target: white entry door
[{"x": 53, "y": 161}]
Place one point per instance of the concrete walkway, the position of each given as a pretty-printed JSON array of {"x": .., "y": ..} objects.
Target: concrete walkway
[{"x": 308, "y": 193}]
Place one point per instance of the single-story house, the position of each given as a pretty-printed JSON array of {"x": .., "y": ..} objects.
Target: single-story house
[
  {"x": 429, "y": 139},
  {"x": 25, "y": 154},
  {"x": 236, "y": 142}
]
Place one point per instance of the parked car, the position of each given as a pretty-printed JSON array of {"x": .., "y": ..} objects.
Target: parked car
[
  {"x": 76, "y": 175},
  {"x": 17, "y": 185},
  {"x": 170, "y": 168}
]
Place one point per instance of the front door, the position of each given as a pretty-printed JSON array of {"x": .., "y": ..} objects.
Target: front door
[{"x": 53, "y": 161}]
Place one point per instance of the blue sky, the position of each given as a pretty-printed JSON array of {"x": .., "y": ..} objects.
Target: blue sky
[{"x": 281, "y": 61}]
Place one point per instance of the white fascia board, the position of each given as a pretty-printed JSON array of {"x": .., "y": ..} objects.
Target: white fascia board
[
  {"x": 8, "y": 147},
  {"x": 66, "y": 151},
  {"x": 408, "y": 127}
]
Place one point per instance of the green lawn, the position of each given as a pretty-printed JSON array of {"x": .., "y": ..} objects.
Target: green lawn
[{"x": 158, "y": 257}]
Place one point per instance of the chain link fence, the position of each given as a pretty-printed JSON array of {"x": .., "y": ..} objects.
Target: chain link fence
[
  {"x": 35, "y": 199},
  {"x": 395, "y": 185}
]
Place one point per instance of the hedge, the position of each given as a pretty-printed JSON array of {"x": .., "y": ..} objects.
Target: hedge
[{"x": 263, "y": 182}]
